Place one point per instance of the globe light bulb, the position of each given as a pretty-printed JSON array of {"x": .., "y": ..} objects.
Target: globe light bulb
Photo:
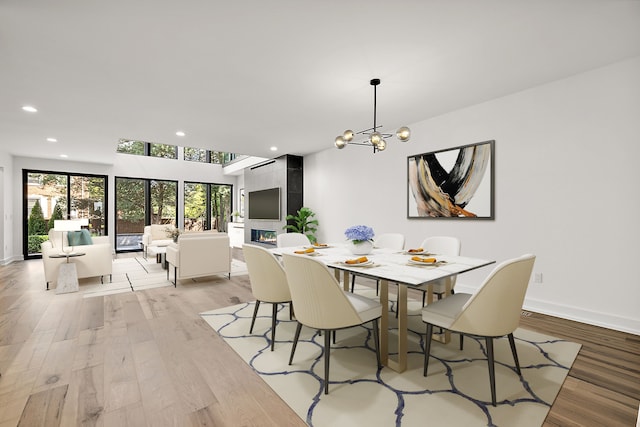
[
  {"x": 348, "y": 135},
  {"x": 403, "y": 134},
  {"x": 340, "y": 142},
  {"x": 381, "y": 145},
  {"x": 375, "y": 138}
]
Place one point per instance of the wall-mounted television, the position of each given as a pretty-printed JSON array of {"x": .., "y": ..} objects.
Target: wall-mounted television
[{"x": 264, "y": 204}]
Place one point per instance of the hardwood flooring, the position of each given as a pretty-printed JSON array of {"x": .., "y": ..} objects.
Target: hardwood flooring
[{"x": 147, "y": 359}]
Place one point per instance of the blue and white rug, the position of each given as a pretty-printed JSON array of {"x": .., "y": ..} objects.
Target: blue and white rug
[{"x": 455, "y": 393}]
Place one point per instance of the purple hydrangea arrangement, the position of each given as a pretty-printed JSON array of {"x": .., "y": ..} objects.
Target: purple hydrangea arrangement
[{"x": 359, "y": 233}]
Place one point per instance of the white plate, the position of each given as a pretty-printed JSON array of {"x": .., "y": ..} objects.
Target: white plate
[
  {"x": 317, "y": 247},
  {"x": 426, "y": 263},
  {"x": 362, "y": 264},
  {"x": 416, "y": 253}
]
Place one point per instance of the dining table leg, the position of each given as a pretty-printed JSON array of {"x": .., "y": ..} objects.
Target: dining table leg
[
  {"x": 345, "y": 279},
  {"x": 384, "y": 322},
  {"x": 402, "y": 328},
  {"x": 399, "y": 365}
]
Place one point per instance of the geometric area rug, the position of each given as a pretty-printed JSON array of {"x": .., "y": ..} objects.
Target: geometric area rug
[
  {"x": 455, "y": 393},
  {"x": 135, "y": 274}
]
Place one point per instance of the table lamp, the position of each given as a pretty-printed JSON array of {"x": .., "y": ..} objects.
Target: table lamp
[{"x": 66, "y": 225}]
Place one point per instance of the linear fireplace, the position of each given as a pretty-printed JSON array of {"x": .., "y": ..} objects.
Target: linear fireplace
[{"x": 267, "y": 237}]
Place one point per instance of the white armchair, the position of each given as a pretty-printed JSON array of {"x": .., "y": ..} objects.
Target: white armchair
[
  {"x": 155, "y": 235},
  {"x": 198, "y": 255},
  {"x": 97, "y": 261}
]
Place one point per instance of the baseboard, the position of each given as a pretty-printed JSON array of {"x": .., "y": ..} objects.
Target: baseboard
[
  {"x": 604, "y": 320},
  {"x": 7, "y": 261}
]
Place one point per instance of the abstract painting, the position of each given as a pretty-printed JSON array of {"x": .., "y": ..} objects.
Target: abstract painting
[{"x": 452, "y": 183}]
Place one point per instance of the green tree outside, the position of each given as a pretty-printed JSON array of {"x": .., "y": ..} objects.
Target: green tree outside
[
  {"x": 37, "y": 224},
  {"x": 57, "y": 214}
]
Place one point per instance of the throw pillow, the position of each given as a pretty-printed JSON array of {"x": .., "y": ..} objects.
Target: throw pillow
[{"x": 79, "y": 238}]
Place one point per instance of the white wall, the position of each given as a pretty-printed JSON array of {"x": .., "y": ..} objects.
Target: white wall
[
  {"x": 566, "y": 190},
  {"x": 6, "y": 206}
]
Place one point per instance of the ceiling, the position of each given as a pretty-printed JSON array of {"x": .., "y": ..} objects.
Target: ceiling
[{"x": 246, "y": 75}]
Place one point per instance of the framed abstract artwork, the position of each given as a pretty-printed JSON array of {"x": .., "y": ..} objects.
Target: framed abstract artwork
[{"x": 452, "y": 183}]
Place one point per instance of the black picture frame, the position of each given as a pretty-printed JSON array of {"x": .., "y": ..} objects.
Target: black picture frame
[{"x": 454, "y": 182}]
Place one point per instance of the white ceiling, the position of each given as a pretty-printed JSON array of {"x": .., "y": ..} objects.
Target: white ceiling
[{"x": 244, "y": 75}]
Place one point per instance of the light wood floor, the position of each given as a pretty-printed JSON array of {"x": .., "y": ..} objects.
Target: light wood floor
[{"x": 148, "y": 359}]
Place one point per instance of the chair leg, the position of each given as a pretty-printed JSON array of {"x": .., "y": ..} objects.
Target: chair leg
[
  {"x": 274, "y": 314},
  {"x": 512, "y": 343},
  {"x": 492, "y": 372},
  {"x": 295, "y": 342},
  {"x": 290, "y": 310},
  {"x": 327, "y": 353},
  {"x": 255, "y": 313},
  {"x": 461, "y": 341},
  {"x": 377, "y": 287},
  {"x": 175, "y": 277},
  {"x": 376, "y": 339},
  {"x": 353, "y": 282},
  {"x": 334, "y": 335},
  {"x": 424, "y": 298},
  {"x": 427, "y": 347}
]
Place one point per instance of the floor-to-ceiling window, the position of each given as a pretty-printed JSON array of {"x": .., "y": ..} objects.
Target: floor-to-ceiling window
[
  {"x": 50, "y": 195},
  {"x": 140, "y": 202},
  {"x": 207, "y": 206}
]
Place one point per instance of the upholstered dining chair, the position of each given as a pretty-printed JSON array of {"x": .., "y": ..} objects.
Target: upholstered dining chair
[
  {"x": 492, "y": 312},
  {"x": 268, "y": 283},
  {"x": 440, "y": 245},
  {"x": 386, "y": 240},
  {"x": 286, "y": 240},
  {"x": 320, "y": 303}
]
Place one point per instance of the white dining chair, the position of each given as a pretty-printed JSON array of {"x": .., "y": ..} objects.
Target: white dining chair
[
  {"x": 440, "y": 245},
  {"x": 286, "y": 240},
  {"x": 268, "y": 283},
  {"x": 320, "y": 303},
  {"x": 492, "y": 312},
  {"x": 386, "y": 240}
]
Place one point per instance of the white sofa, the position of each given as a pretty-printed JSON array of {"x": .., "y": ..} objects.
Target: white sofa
[
  {"x": 155, "y": 235},
  {"x": 97, "y": 261},
  {"x": 199, "y": 254}
]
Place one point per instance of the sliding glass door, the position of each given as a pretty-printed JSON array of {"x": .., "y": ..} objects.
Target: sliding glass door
[
  {"x": 207, "y": 206},
  {"x": 141, "y": 202},
  {"x": 58, "y": 195}
]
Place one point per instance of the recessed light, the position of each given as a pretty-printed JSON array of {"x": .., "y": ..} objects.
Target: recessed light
[
  {"x": 274, "y": 148},
  {"x": 30, "y": 109},
  {"x": 180, "y": 133},
  {"x": 64, "y": 156},
  {"x": 52, "y": 140}
]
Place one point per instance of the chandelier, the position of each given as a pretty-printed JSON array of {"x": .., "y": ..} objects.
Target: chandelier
[{"x": 374, "y": 138}]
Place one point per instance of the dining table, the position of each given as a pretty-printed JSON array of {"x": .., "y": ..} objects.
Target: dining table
[{"x": 391, "y": 265}]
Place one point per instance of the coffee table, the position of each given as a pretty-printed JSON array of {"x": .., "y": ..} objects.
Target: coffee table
[{"x": 161, "y": 254}]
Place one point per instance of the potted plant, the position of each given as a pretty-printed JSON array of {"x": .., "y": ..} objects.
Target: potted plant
[
  {"x": 303, "y": 223},
  {"x": 360, "y": 239},
  {"x": 236, "y": 216}
]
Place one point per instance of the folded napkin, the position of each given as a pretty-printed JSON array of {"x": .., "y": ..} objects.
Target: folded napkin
[
  {"x": 417, "y": 250},
  {"x": 357, "y": 260},
  {"x": 421, "y": 259},
  {"x": 306, "y": 251}
]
